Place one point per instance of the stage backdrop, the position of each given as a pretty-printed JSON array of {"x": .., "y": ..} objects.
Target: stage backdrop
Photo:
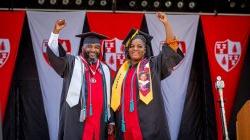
[{"x": 226, "y": 39}]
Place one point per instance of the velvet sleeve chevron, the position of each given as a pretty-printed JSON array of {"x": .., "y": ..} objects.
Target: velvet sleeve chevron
[
  {"x": 59, "y": 63},
  {"x": 166, "y": 61}
]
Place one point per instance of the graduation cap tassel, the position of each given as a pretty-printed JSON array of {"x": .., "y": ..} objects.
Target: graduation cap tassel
[
  {"x": 123, "y": 126},
  {"x": 106, "y": 116},
  {"x": 82, "y": 114},
  {"x": 131, "y": 103},
  {"x": 90, "y": 110},
  {"x": 90, "y": 100},
  {"x": 131, "y": 106}
]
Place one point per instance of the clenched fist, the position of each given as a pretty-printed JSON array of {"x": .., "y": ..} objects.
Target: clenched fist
[
  {"x": 162, "y": 17},
  {"x": 59, "y": 25}
]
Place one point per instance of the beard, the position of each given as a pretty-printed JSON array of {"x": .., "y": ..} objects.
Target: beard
[{"x": 91, "y": 60}]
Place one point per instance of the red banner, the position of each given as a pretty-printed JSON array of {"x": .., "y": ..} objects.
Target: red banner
[
  {"x": 226, "y": 39},
  {"x": 116, "y": 26},
  {"x": 10, "y": 26}
]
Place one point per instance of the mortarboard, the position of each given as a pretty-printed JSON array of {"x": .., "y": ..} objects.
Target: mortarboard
[{"x": 91, "y": 37}]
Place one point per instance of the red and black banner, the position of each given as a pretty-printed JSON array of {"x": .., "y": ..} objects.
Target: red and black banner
[
  {"x": 11, "y": 27},
  {"x": 226, "y": 39},
  {"x": 114, "y": 25}
]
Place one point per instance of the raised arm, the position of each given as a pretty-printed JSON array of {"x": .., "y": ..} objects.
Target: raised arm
[
  {"x": 53, "y": 40},
  {"x": 57, "y": 61},
  {"x": 169, "y": 57},
  {"x": 170, "y": 37}
]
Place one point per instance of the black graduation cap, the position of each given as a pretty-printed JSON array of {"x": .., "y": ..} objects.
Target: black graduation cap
[
  {"x": 134, "y": 34},
  {"x": 91, "y": 37}
]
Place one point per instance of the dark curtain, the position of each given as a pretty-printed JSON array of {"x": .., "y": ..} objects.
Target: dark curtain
[
  {"x": 25, "y": 116},
  {"x": 198, "y": 117}
]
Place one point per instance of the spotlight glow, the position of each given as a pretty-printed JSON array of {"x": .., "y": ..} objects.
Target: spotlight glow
[
  {"x": 156, "y": 4},
  {"x": 144, "y": 3},
  {"x": 103, "y": 2},
  {"x": 52, "y": 2},
  {"x": 192, "y": 5},
  {"x": 91, "y": 2},
  {"x": 41, "y": 2},
  {"x": 78, "y": 2},
  {"x": 243, "y": 5},
  {"x": 65, "y": 2},
  {"x": 180, "y": 4},
  {"x": 168, "y": 4},
  {"x": 132, "y": 3},
  {"x": 232, "y": 4}
]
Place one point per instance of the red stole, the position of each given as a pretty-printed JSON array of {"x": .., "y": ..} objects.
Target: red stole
[
  {"x": 133, "y": 130},
  {"x": 92, "y": 123}
]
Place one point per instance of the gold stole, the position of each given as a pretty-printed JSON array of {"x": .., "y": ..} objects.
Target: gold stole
[{"x": 117, "y": 85}]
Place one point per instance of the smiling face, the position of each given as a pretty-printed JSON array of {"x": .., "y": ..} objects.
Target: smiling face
[
  {"x": 92, "y": 51},
  {"x": 143, "y": 77},
  {"x": 137, "y": 50}
]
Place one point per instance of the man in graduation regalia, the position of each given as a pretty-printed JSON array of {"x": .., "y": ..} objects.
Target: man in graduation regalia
[
  {"x": 85, "y": 99},
  {"x": 136, "y": 92}
]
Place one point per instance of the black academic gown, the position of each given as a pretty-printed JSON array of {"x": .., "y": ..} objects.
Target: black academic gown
[
  {"x": 152, "y": 117},
  {"x": 70, "y": 128}
]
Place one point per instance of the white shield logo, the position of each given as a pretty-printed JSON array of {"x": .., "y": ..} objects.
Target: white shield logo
[
  {"x": 114, "y": 53},
  {"x": 65, "y": 44},
  {"x": 4, "y": 51},
  {"x": 227, "y": 54}
]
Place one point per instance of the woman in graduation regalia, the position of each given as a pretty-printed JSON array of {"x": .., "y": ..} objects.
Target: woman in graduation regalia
[
  {"x": 85, "y": 98},
  {"x": 136, "y": 92}
]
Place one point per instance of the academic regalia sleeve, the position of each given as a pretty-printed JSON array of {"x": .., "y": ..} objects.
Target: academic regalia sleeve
[
  {"x": 167, "y": 60},
  {"x": 59, "y": 63}
]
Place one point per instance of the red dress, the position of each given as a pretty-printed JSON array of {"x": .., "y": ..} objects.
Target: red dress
[{"x": 133, "y": 130}]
